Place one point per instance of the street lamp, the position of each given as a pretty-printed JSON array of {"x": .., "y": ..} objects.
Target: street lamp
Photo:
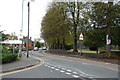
[
  {"x": 28, "y": 22},
  {"x": 28, "y": 27}
]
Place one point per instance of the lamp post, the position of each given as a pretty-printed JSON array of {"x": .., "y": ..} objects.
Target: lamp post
[
  {"x": 28, "y": 29},
  {"x": 28, "y": 23}
]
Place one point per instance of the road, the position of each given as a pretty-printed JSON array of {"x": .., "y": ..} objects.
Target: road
[{"x": 63, "y": 67}]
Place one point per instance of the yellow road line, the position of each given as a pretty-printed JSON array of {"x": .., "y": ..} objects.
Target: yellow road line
[{"x": 41, "y": 63}]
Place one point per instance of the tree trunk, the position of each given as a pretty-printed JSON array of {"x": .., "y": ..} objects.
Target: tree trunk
[
  {"x": 108, "y": 50},
  {"x": 75, "y": 41},
  {"x": 58, "y": 43},
  {"x": 63, "y": 43}
]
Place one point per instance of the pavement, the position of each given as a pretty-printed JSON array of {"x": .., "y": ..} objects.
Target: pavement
[{"x": 24, "y": 62}]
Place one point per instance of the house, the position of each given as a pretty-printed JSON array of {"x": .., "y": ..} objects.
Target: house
[{"x": 26, "y": 44}]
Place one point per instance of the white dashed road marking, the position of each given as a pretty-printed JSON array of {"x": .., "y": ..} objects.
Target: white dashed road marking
[
  {"x": 75, "y": 76},
  {"x": 74, "y": 72},
  {"x": 46, "y": 65},
  {"x": 57, "y": 69},
  {"x": 67, "y": 73},
  {"x": 63, "y": 68},
  {"x": 62, "y": 71},
  {"x": 69, "y": 70},
  {"x": 53, "y": 67}
]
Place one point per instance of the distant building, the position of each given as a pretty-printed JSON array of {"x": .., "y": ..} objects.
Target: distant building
[{"x": 25, "y": 42}]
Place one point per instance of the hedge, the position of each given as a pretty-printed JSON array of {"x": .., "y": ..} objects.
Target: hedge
[{"x": 8, "y": 57}]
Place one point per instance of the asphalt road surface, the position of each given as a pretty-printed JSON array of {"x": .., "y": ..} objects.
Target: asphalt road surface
[{"x": 62, "y": 67}]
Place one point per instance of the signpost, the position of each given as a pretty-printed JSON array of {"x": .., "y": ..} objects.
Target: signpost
[
  {"x": 81, "y": 42},
  {"x": 108, "y": 41},
  {"x": 81, "y": 37}
]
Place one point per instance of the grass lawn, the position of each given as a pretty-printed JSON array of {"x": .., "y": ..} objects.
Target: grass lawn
[{"x": 85, "y": 51}]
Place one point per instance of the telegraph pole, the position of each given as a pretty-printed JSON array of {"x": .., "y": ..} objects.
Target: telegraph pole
[{"x": 28, "y": 29}]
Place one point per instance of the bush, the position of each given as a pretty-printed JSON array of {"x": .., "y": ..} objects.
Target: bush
[
  {"x": 16, "y": 50},
  {"x": 4, "y": 49},
  {"x": 115, "y": 53},
  {"x": 93, "y": 48},
  {"x": 68, "y": 47},
  {"x": 8, "y": 57}
]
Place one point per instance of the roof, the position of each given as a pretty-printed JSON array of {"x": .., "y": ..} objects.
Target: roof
[{"x": 12, "y": 42}]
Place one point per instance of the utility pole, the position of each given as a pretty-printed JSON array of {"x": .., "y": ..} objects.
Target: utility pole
[{"x": 28, "y": 29}]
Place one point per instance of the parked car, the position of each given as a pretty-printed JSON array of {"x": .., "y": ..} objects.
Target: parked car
[
  {"x": 44, "y": 48},
  {"x": 35, "y": 49}
]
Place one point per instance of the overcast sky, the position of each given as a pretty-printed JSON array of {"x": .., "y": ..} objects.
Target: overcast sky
[{"x": 11, "y": 16}]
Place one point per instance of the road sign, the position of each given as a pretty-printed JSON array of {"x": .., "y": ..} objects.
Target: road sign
[
  {"x": 108, "y": 41},
  {"x": 81, "y": 37}
]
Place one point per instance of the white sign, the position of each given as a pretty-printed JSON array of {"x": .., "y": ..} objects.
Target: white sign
[
  {"x": 81, "y": 37},
  {"x": 108, "y": 41}
]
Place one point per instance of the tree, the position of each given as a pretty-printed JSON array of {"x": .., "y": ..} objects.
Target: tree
[
  {"x": 55, "y": 28},
  {"x": 38, "y": 44},
  {"x": 94, "y": 39},
  {"x": 105, "y": 16},
  {"x": 3, "y": 36}
]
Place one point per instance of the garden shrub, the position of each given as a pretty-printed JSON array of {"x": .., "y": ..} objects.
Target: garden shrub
[
  {"x": 68, "y": 47},
  {"x": 8, "y": 57},
  {"x": 115, "y": 53}
]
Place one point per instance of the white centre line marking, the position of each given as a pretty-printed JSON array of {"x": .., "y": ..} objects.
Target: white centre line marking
[
  {"x": 57, "y": 69},
  {"x": 67, "y": 73},
  {"x": 68, "y": 70},
  {"x": 62, "y": 71},
  {"x": 53, "y": 67},
  {"x": 46, "y": 65},
  {"x": 63, "y": 68},
  {"x": 75, "y": 76},
  {"x": 74, "y": 72},
  {"x": 90, "y": 77}
]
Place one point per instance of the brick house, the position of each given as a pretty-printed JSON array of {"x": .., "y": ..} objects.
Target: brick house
[{"x": 25, "y": 42}]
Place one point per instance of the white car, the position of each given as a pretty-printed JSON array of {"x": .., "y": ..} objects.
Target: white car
[
  {"x": 44, "y": 48},
  {"x": 35, "y": 49}
]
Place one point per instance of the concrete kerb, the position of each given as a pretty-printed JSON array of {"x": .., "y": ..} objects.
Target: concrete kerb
[{"x": 23, "y": 67}]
